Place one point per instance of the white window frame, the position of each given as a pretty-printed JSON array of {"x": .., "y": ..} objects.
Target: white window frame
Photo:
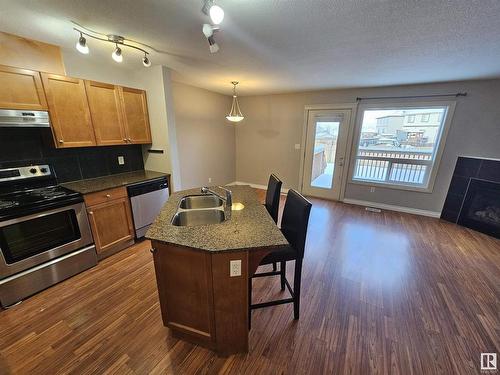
[{"x": 395, "y": 105}]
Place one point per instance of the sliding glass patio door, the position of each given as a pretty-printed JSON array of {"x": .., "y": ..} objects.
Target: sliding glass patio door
[{"x": 325, "y": 152}]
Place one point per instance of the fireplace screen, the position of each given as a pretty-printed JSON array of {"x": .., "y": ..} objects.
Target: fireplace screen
[{"x": 481, "y": 208}]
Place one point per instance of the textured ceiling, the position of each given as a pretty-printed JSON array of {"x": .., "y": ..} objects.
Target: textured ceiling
[{"x": 284, "y": 45}]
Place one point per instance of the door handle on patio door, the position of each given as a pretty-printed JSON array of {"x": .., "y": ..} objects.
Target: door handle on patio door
[{"x": 341, "y": 162}]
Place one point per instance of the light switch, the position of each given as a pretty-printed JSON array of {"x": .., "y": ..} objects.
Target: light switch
[
  {"x": 297, "y": 146},
  {"x": 121, "y": 160},
  {"x": 235, "y": 268}
]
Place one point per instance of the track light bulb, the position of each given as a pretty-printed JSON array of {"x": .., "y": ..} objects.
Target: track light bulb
[
  {"x": 82, "y": 46},
  {"x": 117, "y": 55},
  {"x": 216, "y": 14},
  {"x": 214, "y": 48},
  {"x": 146, "y": 61}
]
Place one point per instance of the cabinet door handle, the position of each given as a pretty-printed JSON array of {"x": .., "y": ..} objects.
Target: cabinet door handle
[
  {"x": 129, "y": 140},
  {"x": 152, "y": 250},
  {"x": 108, "y": 195},
  {"x": 61, "y": 141},
  {"x": 91, "y": 212}
]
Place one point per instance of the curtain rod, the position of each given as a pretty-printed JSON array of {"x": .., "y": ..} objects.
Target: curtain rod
[{"x": 412, "y": 96}]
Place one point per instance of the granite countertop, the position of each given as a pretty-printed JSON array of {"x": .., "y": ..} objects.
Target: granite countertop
[
  {"x": 92, "y": 185},
  {"x": 251, "y": 227}
]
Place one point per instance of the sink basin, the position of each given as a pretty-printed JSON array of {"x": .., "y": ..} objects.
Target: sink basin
[
  {"x": 200, "y": 201},
  {"x": 198, "y": 217}
]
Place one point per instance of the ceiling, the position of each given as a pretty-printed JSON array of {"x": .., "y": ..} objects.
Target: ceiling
[{"x": 273, "y": 46}]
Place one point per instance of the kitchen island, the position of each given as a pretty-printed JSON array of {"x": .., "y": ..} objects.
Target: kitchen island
[{"x": 203, "y": 271}]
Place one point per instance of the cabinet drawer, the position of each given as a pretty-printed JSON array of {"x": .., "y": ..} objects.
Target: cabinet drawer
[{"x": 105, "y": 196}]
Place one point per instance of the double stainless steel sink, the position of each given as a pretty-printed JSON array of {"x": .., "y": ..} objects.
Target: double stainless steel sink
[
  {"x": 200, "y": 201},
  {"x": 196, "y": 210}
]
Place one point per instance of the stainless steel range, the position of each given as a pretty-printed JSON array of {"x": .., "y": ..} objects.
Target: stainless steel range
[{"x": 45, "y": 235}]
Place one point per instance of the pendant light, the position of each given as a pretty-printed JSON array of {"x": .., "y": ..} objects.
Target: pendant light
[{"x": 235, "y": 113}]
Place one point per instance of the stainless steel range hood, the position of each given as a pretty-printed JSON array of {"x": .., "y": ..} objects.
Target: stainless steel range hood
[{"x": 24, "y": 119}]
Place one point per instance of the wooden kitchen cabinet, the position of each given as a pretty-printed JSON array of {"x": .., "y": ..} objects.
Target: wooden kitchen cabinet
[
  {"x": 69, "y": 111},
  {"x": 110, "y": 219},
  {"x": 21, "y": 89},
  {"x": 135, "y": 109},
  {"x": 106, "y": 110}
]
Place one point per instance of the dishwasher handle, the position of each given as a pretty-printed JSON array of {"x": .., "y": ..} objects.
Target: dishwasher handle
[{"x": 147, "y": 187}]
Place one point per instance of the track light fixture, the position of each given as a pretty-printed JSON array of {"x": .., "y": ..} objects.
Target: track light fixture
[
  {"x": 81, "y": 45},
  {"x": 208, "y": 31},
  {"x": 117, "y": 54},
  {"x": 145, "y": 60},
  {"x": 117, "y": 40},
  {"x": 215, "y": 12}
]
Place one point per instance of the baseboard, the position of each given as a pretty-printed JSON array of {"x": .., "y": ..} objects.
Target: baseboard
[
  {"x": 257, "y": 186},
  {"x": 391, "y": 207}
]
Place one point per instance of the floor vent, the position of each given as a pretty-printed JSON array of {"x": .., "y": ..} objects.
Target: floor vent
[{"x": 373, "y": 209}]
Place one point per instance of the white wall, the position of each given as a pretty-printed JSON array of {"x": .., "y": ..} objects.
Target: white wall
[
  {"x": 157, "y": 83},
  {"x": 84, "y": 66},
  {"x": 205, "y": 139},
  {"x": 274, "y": 123}
]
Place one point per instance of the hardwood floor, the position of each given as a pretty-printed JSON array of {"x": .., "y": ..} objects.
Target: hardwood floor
[{"x": 381, "y": 293}]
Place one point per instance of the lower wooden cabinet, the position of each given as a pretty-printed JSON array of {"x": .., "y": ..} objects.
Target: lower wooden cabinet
[{"x": 110, "y": 219}]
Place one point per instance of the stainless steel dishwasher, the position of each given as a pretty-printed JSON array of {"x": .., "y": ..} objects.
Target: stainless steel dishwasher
[{"x": 147, "y": 199}]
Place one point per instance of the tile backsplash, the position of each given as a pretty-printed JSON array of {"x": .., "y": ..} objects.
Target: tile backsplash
[{"x": 23, "y": 146}]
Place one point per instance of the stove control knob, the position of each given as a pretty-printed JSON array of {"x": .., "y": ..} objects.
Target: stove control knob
[
  {"x": 33, "y": 170},
  {"x": 43, "y": 170}
]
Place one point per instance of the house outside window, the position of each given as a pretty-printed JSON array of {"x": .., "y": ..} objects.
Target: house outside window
[{"x": 407, "y": 143}]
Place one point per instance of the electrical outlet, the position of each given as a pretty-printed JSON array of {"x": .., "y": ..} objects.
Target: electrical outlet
[
  {"x": 372, "y": 190},
  {"x": 121, "y": 160},
  {"x": 235, "y": 268},
  {"x": 210, "y": 179}
]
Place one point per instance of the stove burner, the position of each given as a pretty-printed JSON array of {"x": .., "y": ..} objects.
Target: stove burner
[
  {"x": 48, "y": 193},
  {"x": 8, "y": 204}
]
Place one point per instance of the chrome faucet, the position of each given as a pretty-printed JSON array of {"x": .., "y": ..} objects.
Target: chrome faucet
[{"x": 228, "y": 199}]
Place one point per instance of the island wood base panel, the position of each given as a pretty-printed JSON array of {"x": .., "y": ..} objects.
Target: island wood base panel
[{"x": 200, "y": 302}]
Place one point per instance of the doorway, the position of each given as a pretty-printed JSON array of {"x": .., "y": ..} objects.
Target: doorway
[{"x": 327, "y": 134}]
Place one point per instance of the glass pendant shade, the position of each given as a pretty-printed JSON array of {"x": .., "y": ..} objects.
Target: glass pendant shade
[{"x": 235, "y": 113}]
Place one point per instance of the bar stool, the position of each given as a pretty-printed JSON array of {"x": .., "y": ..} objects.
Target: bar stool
[
  {"x": 294, "y": 227},
  {"x": 273, "y": 199},
  {"x": 273, "y": 196}
]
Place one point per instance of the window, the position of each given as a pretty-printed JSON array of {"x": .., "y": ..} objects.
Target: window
[{"x": 405, "y": 154}]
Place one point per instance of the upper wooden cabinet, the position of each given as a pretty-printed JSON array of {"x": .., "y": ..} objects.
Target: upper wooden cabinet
[
  {"x": 135, "y": 109},
  {"x": 21, "y": 89},
  {"x": 107, "y": 114},
  {"x": 69, "y": 111},
  {"x": 82, "y": 113}
]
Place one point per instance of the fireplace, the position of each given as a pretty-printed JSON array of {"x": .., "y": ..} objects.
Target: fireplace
[
  {"x": 473, "y": 198},
  {"x": 481, "y": 207}
]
